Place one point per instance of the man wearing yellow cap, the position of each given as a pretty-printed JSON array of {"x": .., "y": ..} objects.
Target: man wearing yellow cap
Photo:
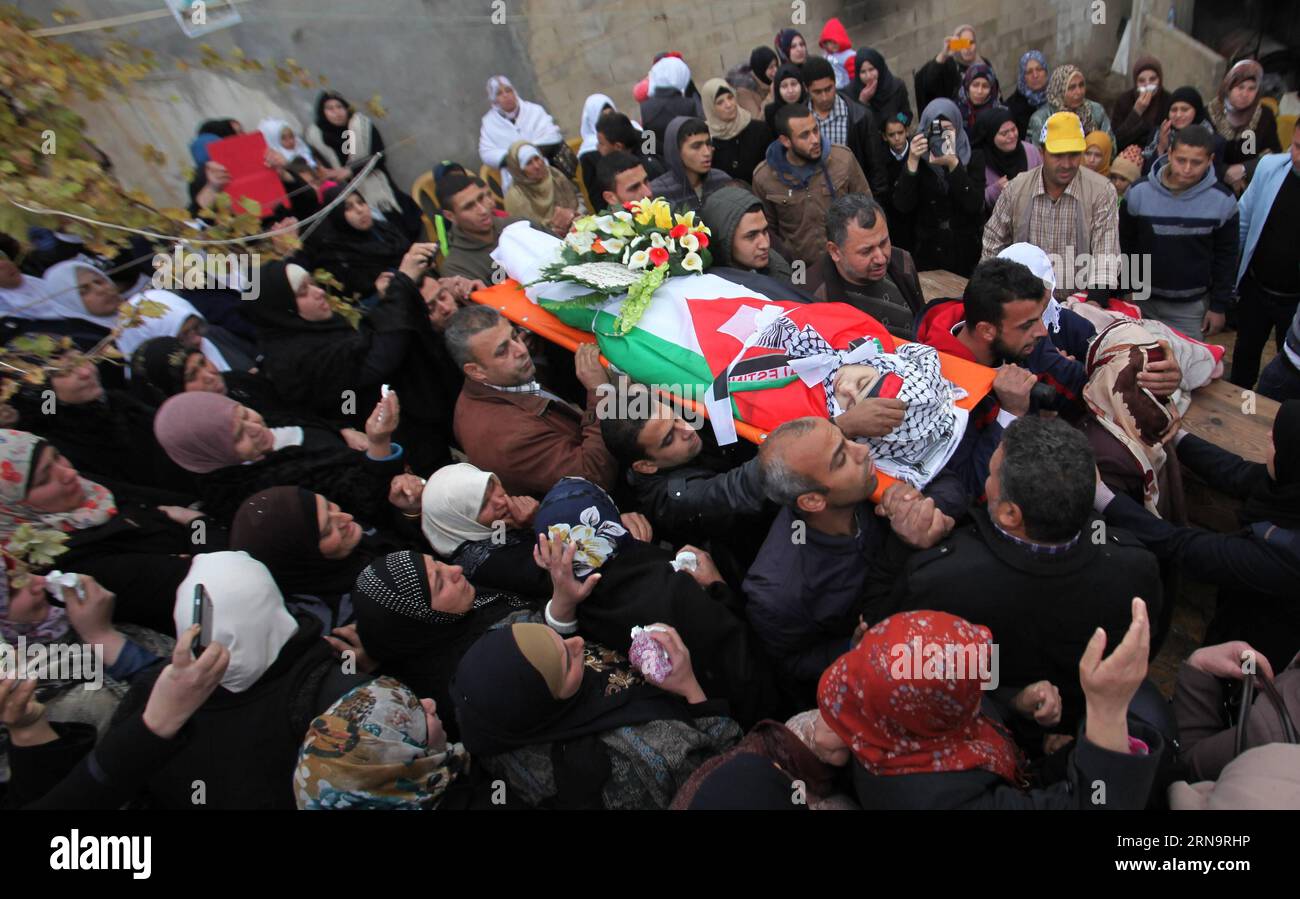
[{"x": 1063, "y": 208}]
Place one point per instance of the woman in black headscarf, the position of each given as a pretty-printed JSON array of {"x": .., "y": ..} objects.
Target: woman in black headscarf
[
  {"x": 312, "y": 548},
  {"x": 1256, "y": 568},
  {"x": 568, "y": 725},
  {"x": 763, "y": 63},
  {"x": 787, "y": 87},
  {"x": 1186, "y": 109},
  {"x": 878, "y": 88},
  {"x": 992, "y": 132},
  {"x": 313, "y": 356},
  {"x": 343, "y": 140},
  {"x": 354, "y": 246},
  {"x": 417, "y": 617}
]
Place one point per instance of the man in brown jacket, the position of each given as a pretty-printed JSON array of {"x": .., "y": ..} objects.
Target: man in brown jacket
[
  {"x": 511, "y": 426},
  {"x": 799, "y": 180}
]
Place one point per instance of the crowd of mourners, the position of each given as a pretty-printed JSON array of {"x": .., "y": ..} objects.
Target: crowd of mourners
[{"x": 427, "y": 559}]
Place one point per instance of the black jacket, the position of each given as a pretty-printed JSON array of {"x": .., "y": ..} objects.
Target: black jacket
[
  {"x": 1256, "y": 569},
  {"x": 1128, "y": 779},
  {"x": 866, "y": 140},
  {"x": 900, "y": 321},
  {"x": 948, "y": 222},
  {"x": 111, "y": 442},
  {"x": 739, "y": 156},
  {"x": 660, "y": 109},
  {"x": 357, "y": 483},
  {"x": 243, "y": 746},
  {"x": 142, "y": 556},
  {"x": 1041, "y": 609},
  {"x": 695, "y": 502},
  {"x": 74, "y": 773}
]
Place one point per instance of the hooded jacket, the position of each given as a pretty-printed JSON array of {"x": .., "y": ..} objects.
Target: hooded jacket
[
  {"x": 1191, "y": 236},
  {"x": 674, "y": 185},
  {"x": 795, "y": 200}
]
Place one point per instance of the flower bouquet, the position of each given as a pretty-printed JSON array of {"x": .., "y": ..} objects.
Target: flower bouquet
[{"x": 630, "y": 252}]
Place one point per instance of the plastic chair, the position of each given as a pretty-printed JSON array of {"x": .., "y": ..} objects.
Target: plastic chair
[
  {"x": 492, "y": 178},
  {"x": 424, "y": 190}
]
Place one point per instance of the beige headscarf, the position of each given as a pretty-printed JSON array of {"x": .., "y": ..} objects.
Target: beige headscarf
[
  {"x": 450, "y": 504},
  {"x": 719, "y": 129},
  {"x": 536, "y": 202}
]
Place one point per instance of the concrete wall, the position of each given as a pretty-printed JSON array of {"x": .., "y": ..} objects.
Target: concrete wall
[
  {"x": 430, "y": 59},
  {"x": 1186, "y": 60}
]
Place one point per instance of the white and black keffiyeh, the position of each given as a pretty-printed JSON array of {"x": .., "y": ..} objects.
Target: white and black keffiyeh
[{"x": 932, "y": 423}]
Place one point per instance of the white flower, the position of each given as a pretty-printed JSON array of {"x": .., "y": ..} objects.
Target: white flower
[
  {"x": 689, "y": 242},
  {"x": 640, "y": 259},
  {"x": 613, "y": 246},
  {"x": 580, "y": 241},
  {"x": 692, "y": 262},
  {"x": 592, "y": 539},
  {"x": 671, "y": 246},
  {"x": 657, "y": 240},
  {"x": 623, "y": 215},
  {"x": 604, "y": 222}
]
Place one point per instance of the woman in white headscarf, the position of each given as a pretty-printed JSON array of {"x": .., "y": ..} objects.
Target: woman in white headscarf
[
  {"x": 74, "y": 289},
  {"x": 512, "y": 119},
  {"x": 75, "y": 300},
  {"x": 470, "y": 520},
  {"x": 670, "y": 79},
  {"x": 181, "y": 320},
  {"x": 244, "y": 740},
  {"x": 283, "y": 139},
  {"x": 588, "y": 154}
]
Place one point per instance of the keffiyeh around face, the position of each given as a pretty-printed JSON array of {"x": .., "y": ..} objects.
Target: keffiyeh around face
[
  {"x": 19, "y": 455},
  {"x": 904, "y": 705},
  {"x": 370, "y": 750},
  {"x": 577, "y": 510},
  {"x": 911, "y": 373}
]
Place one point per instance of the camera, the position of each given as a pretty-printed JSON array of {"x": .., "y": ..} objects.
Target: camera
[{"x": 934, "y": 136}]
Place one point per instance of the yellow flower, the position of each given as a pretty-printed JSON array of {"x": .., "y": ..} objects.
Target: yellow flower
[
  {"x": 687, "y": 219},
  {"x": 663, "y": 216}
]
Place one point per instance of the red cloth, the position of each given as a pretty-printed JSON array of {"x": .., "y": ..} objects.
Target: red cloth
[
  {"x": 935, "y": 328},
  {"x": 244, "y": 157},
  {"x": 900, "y": 714}
]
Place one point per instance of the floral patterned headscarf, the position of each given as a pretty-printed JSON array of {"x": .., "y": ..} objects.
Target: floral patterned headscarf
[
  {"x": 579, "y": 511},
  {"x": 18, "y": 454},
  {"x": 901, "y": 714},
  {"x": 370, "y": 751}
]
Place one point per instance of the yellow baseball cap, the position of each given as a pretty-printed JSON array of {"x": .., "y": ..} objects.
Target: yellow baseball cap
[{"x": 1063, "y": 133}]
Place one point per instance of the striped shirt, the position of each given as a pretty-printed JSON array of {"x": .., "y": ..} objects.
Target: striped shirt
[{"x": 1053, "y": 227}]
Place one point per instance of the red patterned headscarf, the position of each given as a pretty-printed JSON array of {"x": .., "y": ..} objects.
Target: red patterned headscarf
[{"x": 898, "y": 723}]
